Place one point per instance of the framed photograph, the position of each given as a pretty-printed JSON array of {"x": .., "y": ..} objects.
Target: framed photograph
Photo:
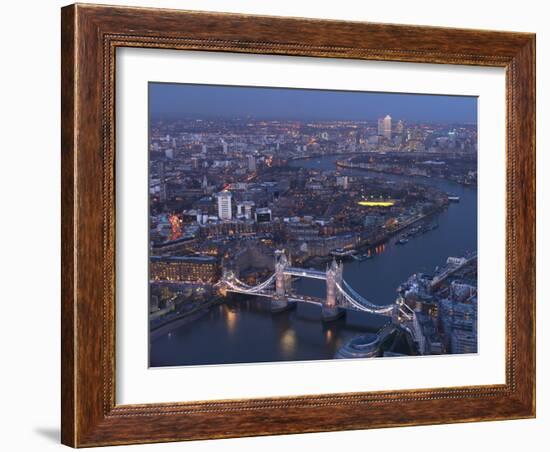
[{"x": 281, "y": 225}]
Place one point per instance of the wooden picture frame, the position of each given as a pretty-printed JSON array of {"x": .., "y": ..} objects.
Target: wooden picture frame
[{"x": 90, "y": 36}]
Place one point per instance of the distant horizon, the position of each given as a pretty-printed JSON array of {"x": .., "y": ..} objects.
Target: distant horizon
[
  {"x": 219, "y": 102},
  {"x": 176, "y": 116}
]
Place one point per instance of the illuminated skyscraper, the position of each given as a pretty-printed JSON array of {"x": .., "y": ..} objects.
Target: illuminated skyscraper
[
  {"x": 384, "y": 127},
  {"x": 224, "y": 205},
  {"x": 387, "y": 127}
]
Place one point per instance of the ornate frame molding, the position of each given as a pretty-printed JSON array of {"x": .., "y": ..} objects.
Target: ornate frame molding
[{"x": 90, "y": 37}]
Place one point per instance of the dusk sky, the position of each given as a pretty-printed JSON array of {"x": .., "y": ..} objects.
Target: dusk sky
[{"x": 214, "y": 101}]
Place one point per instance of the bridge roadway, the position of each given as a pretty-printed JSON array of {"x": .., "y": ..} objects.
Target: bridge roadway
[
  {"x": 270, "y": 294},
  {"x": 305, "y": 273}
]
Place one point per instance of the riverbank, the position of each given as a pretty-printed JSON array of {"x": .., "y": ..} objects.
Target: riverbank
[
  {"x": 318, "y": 261},
  {"x": 321, "y": 156},
  {"x": 358, "y": 167},
  {"x": 183, "y": 318}
]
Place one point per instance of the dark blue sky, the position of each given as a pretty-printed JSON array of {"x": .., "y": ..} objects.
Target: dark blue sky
[{"x": 215, "y": 101}]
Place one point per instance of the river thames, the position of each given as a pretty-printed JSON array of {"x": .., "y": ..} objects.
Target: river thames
[{"x": 245, "y": 331}]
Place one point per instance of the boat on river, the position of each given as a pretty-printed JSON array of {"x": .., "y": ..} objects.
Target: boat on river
[{"x": 453, "y": 198}]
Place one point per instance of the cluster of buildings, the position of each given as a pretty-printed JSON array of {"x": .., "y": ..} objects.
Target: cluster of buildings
[
  {"x": 246, "y": 145},
  {"x": 431, "y": 138},
  {"x": 310, "y": 213},
  {"x": 461, "y": 169},
  {"x": 203, "y": 269},
  {"x": 445, "y": 308},
  {"x": 245, "y": 210}
]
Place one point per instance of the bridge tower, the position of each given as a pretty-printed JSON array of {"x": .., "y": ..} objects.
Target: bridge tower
[
  {"x": 282, "y": 284},
  {"x": 332, "y": 306},
  {"x": 281, "y": 263}
]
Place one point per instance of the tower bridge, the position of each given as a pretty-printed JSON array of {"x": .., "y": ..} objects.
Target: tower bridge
[{"x": 340, "y": 296}]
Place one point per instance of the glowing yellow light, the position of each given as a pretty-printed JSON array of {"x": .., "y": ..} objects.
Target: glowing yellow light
[
  {"x": 288, "y": 341},
  {"x": 376, "y": 203},
  {"x": 230, "y": 320}
]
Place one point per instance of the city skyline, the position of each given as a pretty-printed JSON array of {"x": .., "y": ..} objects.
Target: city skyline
[
  {"x": 173, "y": 100},
  {"x": 291, "y": 239}
]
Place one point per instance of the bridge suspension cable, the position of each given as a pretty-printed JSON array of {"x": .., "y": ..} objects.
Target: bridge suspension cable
[
  {"x": 237, "y": 284},
  {"x": 362, "y": 303}
]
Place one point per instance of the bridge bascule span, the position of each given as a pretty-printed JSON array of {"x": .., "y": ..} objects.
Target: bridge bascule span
[{"x": 339, "y": 298}]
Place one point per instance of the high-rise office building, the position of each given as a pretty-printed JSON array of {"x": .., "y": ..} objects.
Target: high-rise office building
[
  {"x": 400, "y": 127},
  {"x": 387, "y": 127},
  {"x": 224, "y": 205},
  {"x": 381, "y": 126},
  {"x": 384, "y": 127}
]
